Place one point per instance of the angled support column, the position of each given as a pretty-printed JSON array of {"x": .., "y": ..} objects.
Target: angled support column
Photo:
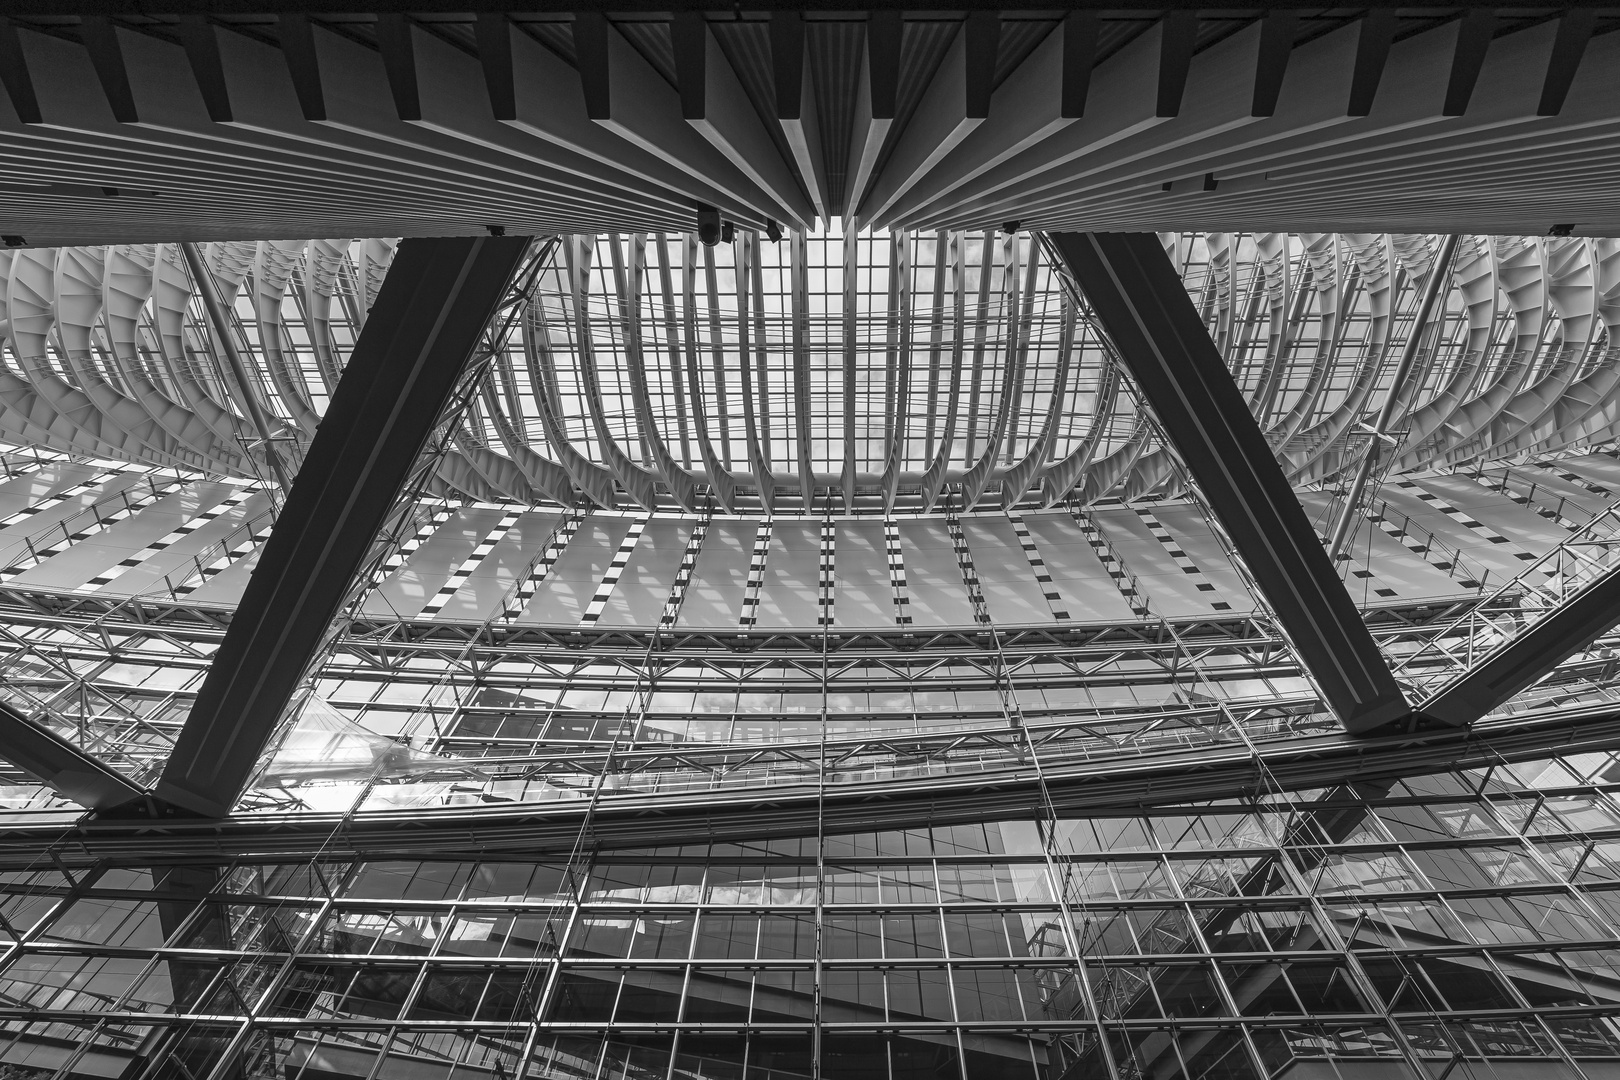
[
  {"x": 1519, "y": 663},
  {"x": 1141, "y": 303},
  {"x": 204, "y": 277},
  {"x": 69, "y": 771},
  {"x": 427, "y": 320}
]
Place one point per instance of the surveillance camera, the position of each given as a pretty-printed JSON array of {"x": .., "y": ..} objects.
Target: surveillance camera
[
  {"x": 773, "y": 230},
  {"x": 708, "y": 225},
  {"x": 728, "y": 233}
]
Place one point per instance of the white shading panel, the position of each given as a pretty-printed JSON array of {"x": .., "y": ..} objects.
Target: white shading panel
[
  {"x": 621, "y": 561},
  {"x": 1089, "y": 593},
  {"x": 89, "y": 526},
  {"x": 20, "y": 492},
  {"x": 1381, "y": 570},
  {"x": 1559, "y": 490},
  {"x": 861, "y": 569},
  {"x": 787, "y": 596},
  {"x": 1032, "y": 555},
  {"x": 1170, "y": 590},
  {"x": 638, "y": 600},
  {"x": 413, "y": 585},
  {"x": 1428, "y": 514},
  {"x": 76, "y": 565},
  {"x": 15, "y": 536},
  {"x": 214, "y": 501},
  {"x": 1010, "y": 590},
  {"x": 178, "y": 562},
  {"x": 1602, "y": 470},
  {"x": 715, "y": 597},
  {"x": 489, "y": 582},
  {"x": 1498, "y": 514},
  {"x": 683, "y": 573},
  {"x": 562, "y": 597},
  {"x": 225, "y": 588},
  {"x": 458, "y": 579},
  {"x": 248, "y": 540},
  {"x": 938, "y": 596},
  {"x": 1190, "y": 531}
]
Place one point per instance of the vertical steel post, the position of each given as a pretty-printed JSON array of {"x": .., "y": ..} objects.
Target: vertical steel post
[{"x": 1431, "y": 292}]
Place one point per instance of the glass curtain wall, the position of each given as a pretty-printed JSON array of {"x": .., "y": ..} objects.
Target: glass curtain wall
[{"x": 1456, "y": 924}]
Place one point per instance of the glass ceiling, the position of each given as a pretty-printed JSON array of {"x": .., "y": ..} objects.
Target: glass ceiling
[
  {"x": 802, "y": 338},
  {"x": 942, "y": 393},
  {"x": 646, "y": 368}
]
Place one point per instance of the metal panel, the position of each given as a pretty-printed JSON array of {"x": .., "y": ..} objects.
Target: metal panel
[
  {"x": 860, "y": 566},
  {"x": 1204, "y": 550},
  {"x": 403, "y": 595},
  {"x": 1076, "y": 573},
  {"x": 643, "y": 589},
  {"x": 1141, "y": 303},
  {"x": 938, "y": 597},
  {"x": 1011, "y": 592},
  {"x": 489, "y": 584},
  {"x": 1173, "y": 592},
  {"x": 787, "y": 597},
  {"x": 561, "y": 598},
  {"x": 715, "y": 596}
]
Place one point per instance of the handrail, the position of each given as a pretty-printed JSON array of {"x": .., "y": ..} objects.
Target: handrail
[{"x": 1453, "y": 557}]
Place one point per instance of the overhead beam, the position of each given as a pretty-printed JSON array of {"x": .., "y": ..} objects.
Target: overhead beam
[
  {"x": 1474, "y": 32},
  {"x": 63, "y": 767},
  {"x": 956, "y": 103},
  {"x": 796, "y": 104},
  {"x": 1023, "y": 113},
  {"x": 20, "y": 85},
  {"x": 626, "y": 95},
  {"x": 1569, "y": 45},
  {"x": 876, "y": 97},
  {"x": 1276, "y": 46},
  {"x": 1521, "y": 662},
  {"x": 516, "y": 108},
  {"x": 1372, "y": 53},
  {"x": 202, "y": 52},
  {"x": 714, "y": 102},
  {"x": 297, "y": 40},
  {"x": 494, "y": 36},
  {"x": 1175, "y": 59},
  {"x": 427, "y": 320},
  {"x": 399, "y": 61},
  {"x": 1161, "y": 340},
  {"x": 1034, "y": 136},
  {"x": 100, "y": 39}
]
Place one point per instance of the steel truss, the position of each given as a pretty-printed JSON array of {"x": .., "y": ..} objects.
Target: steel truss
[{"x": 1310, "y": 324}]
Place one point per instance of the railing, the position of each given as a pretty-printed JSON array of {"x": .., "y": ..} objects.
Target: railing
[
  {"x": 177, "y": 582},
  {"x": 1452, "y": 560},
  {"x": 1568, "y": 514},
  {"x": 96, "y": 513}
]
